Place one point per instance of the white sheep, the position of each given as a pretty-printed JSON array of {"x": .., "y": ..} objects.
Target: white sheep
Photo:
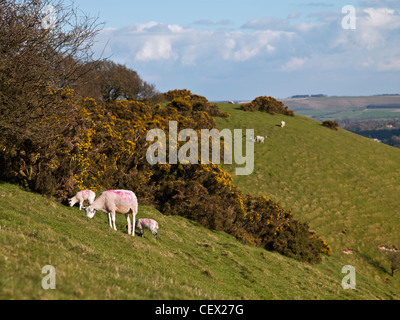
[
  {"x": 260, "y": 139},
  {"x": 283, "y": 124},
  {"x": 116, "y": 201},
  {"x": 149, "y": 224},
  {"x": 80, "y": 197}
]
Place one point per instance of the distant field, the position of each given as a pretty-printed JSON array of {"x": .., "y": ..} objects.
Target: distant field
[
  {"x": 341, "y": 108},
  {"x": 355, "y": 114}
]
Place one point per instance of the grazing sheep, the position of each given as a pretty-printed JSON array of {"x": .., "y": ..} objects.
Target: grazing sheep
[
  {"x": 116, "y": 201},
  {"x": 80, "y": 197},
  {"x": 149, "y": 224},
  {"x": 283, "y": 124},
  {"x": 260, "y": 139}
]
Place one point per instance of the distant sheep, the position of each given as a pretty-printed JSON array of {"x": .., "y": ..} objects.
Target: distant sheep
[
  {"x": 80, "y": 197},
  {"x": 260, "y": 139},
  {"x": 115, "y": 201},
  {"x": 149, "y": 224},
  {"x": 283, "y": 124}
]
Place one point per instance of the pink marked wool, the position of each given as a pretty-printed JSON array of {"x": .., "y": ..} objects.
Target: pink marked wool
[{"x": 116, "y": 201}]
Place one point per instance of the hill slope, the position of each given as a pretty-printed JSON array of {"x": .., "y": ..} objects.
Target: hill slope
[
  {"x": 187, "y": 262},
  {"x": 346, "y": 187}
]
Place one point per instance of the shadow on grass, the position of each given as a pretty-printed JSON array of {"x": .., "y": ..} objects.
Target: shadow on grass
[{"x": 374, "y": 263}]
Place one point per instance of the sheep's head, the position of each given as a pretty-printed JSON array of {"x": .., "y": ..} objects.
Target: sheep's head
[
  {"x": 90, "y": 211},
  {"x": 71, "y": 202}
]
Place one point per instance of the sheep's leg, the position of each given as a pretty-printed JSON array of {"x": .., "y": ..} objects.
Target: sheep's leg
[
  {"x": 109, "y": 220},
  {"x": 133, "y": 224},
  {"x": 80, "y": 205},
  {"x": 113, "y": 220},
  {"x": 128, "y": 220}
]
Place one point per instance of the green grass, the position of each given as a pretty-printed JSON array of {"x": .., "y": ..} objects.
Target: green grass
[
  {"x": 187, "y": 262},
  {"x": 333, "y": 180}
]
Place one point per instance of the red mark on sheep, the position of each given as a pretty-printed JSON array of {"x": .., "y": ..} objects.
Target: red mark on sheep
[{"x": 125, "y": 196}]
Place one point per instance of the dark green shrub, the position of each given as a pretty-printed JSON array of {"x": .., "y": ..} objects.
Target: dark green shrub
[
  {"x": 267, "y": 104},
  {"x": 331, "y": 124}
]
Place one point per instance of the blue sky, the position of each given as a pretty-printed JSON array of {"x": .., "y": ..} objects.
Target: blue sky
[{"x": 238, "y": 50}]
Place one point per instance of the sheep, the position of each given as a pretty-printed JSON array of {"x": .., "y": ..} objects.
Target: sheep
[
  {"x": 283, "y": 124},
  {"x": 80, "y": 197},
  {"x": 115, "y": 201},
  {"x": 149, "y": 224},
  {"x": 260, "y": 139}
]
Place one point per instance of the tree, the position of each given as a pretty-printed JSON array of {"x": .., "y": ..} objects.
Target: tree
[
  {"x": 45, "y": 47},
  {"x": 36, "y": 60},
  {"x": 109, "y": 81}
]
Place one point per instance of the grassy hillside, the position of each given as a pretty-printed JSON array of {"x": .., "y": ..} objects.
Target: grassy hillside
[
  {"x": 343, "y": 185},
  {"x": 187, "y": 262},
  {"x": 346, "y": 187}
]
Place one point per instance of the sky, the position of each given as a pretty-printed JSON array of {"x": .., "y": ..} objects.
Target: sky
[{"x": 239, "y": 50}]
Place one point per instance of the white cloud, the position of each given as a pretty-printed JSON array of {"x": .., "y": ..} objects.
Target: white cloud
[
  {"x": 295, "y": 63},
  {"x": 157, "y": 48},
  {"x": 259, "y": 47}
]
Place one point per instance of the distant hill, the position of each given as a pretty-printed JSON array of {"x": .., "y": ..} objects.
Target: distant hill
[
  {"x": 346, "y": 108},
  {"x": 340, "y": 103}
]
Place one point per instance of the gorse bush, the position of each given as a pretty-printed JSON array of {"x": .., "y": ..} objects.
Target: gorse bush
[
  {"x": 267, "y": 104},
  {"x": 331, "y": 124}
]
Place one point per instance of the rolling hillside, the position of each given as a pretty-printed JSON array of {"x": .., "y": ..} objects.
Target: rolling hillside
[
  {"x": 343, "y": 185},
  {"x": 187, "y": 262},
  {"x": 346, "y": 187}
]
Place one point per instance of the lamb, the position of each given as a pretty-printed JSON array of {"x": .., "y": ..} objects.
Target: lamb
[
  {"x": 283, "y": 124},
  {"x": 260, "y": 139},
  {"x": 80, "y": 197},
  {"x": 115, "y": 201},
  {"x": 149, "y": 224}
]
